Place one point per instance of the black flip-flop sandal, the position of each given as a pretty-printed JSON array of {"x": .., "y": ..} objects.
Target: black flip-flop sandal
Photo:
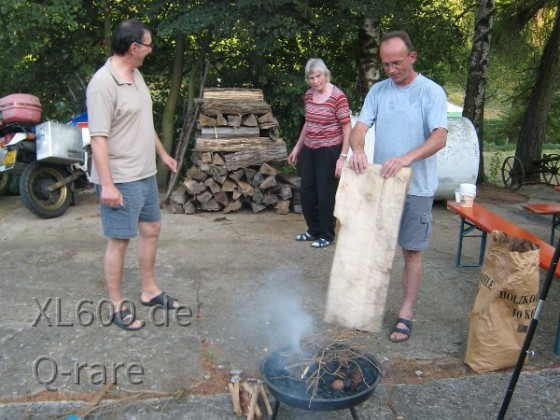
[
  {"x": 162, "y": 299},
  {"x": 124, "y": 319}
]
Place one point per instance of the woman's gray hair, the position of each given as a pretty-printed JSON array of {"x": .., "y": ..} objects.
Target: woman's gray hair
[{"x": 316, "y": 65}]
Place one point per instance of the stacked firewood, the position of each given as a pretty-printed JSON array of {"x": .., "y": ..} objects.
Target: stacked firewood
[{"x": 233, "y": 158}]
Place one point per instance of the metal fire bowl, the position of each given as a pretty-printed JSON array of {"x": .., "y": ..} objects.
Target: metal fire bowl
[{"x": 317, "y": 404}]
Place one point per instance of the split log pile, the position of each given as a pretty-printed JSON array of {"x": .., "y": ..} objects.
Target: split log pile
[
  {"x": 245, "y": 395},
  {"x": 236, "y": 144}
]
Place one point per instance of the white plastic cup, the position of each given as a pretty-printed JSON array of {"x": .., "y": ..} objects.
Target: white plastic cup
[
  {"x": 466, "y": 201},
  {"x": 467, "y": 189},
  {"x": 467, "y": 193},
  {"x": 457, "y": 196}
]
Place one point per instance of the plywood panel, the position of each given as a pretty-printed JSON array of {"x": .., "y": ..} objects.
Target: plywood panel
[{"x": 368, "y": 208}]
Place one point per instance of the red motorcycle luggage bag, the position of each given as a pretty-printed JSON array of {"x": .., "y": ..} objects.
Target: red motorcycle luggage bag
[{"x": 20, "y": 107}]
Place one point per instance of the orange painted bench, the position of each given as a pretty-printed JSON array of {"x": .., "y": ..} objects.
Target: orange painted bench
[
  {"x": 547, "y": 209},
  {"x": 482, "y": 221}
]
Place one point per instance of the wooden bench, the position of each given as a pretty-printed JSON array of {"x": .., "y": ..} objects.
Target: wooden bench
[
  {"x": 482, "y": 221},
  {"x": 547, "y": 209}
]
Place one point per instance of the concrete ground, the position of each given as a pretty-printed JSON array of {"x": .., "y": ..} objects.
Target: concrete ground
[{"x": 252, "y": 288}]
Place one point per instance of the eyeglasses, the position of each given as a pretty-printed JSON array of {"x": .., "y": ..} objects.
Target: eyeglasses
[
  {"x": 146, "y": 45},
  {"x": 387, "y": 66}
]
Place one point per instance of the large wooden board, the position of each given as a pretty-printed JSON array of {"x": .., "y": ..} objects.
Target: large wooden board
[{"x": 368, "y": 208}]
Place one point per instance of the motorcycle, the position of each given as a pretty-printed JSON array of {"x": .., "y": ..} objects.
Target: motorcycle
[{"x": 49, "y": 157}]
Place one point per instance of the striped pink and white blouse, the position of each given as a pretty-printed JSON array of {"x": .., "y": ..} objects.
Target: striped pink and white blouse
[{"x": 324, "y": 120}]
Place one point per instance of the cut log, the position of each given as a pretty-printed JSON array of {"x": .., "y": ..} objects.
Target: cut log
[
  {"x": 245, "y": 188},
  {"x": 283, "y": 207},
  {"x": 213, "y": 108},
  {"x": 189, "y": 207},
  {"x": 229, "y": 185},
  {"x": 217, "y": 172},
  {"x": 258, "y": 196},
  {"x": 222, "y": 198},
  {"x": 221, "y": 120},
  {"x": 269, "y": 182},
  {"x": 206, "y": 121},
  {"x": 256, "y": 155},
  {"x": 234, "y": 121},
  {"x": 270, "y": 200},
  {"x": 178, "y": 196},
  {"x": 213, "y": 185},
  {"x": 194, "y": 187},
  {"x": 236, "y": 194},
  {"x": 196, "y": 173},
  {"x": 210, "y": 205},
  {"x": 250, "y": 174},
  {"x": 257, "y": 207},
  {"x": 220, "y": 179},
  {"x": 218, "y": 160},
  {"x": 233, "y": 206},
  {"x": 234, "y": 144},
  {"x": 237, "y": 175},
  {"x": 257, "y": 179},
  {"x": 250, "y": 120},
  {"x": 266, "y": 118},
  {"x": 204, "y": 197},
  {"x": 206, "y": 157},
  {"x": 284, "y": 191},
  {"x": 228, "y": 132},
  {"x": 296, "y": 202},
  {"x": 176, "y": 208},
  {"x": 292, "y": 179},
  {"x": 267, "y": 169}
]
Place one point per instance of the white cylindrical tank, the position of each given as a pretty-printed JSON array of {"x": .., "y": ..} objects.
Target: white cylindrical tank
[{"x": 457, "y": 162}]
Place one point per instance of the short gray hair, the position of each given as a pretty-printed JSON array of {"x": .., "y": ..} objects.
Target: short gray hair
[{"x": 316, "y": 65}]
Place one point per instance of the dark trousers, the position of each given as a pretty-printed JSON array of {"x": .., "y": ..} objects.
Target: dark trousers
[{"x": 318, "y": 190}]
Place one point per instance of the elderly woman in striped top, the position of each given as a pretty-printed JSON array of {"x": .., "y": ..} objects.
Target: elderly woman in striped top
[{"x": 323, "y": 146}]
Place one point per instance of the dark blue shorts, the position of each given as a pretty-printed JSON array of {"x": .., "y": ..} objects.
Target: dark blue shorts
[{"x": 141, "y": 204}]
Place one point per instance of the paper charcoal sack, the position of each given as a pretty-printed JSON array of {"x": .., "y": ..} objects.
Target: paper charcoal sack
[{"x": 505, "y": 303}]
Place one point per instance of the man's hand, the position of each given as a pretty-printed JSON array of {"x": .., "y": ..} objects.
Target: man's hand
[
  {"x": 359, "y": 161},
  {"x": 111, "y": 196},
  {"x": 392, "y": 166},
  {"x": 169, "y": 162}
]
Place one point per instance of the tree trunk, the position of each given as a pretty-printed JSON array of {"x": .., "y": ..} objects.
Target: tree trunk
[
  {"x": 190, "y": 115},
  {"x": 368, "y": 55},
  {"x": 533, "y": 124},
  {"x": 473, "y": 108},
  {"x": 168, "y": 117}
]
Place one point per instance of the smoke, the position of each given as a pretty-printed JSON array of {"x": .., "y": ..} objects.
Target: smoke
[
  {"x": 279, "y": 299},
  {"x": 287, "y": 320}
]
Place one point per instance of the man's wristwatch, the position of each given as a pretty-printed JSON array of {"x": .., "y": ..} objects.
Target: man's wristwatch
[{"x": 344, "y": 155}]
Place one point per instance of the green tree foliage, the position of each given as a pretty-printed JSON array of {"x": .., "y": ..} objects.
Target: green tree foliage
[
  {"x": 521, "y": 32},
  {"x": 254, "y": 43}
]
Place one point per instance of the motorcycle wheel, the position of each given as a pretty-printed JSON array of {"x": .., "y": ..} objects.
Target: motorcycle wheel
[
  {"x": 5, "y": 182},
  {"x": 33, "y": 189}
]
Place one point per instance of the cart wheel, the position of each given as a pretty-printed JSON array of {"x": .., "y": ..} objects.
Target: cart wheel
[
  {"x": 513, "y": 173},
  {"x": 551, "y": 172}
]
